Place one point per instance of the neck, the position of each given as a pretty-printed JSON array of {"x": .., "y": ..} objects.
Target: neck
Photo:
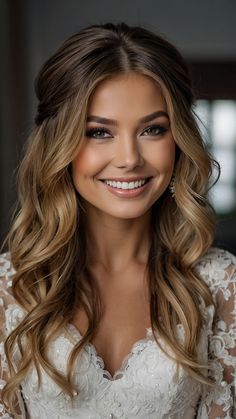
[{"x": 117, "y": 244}]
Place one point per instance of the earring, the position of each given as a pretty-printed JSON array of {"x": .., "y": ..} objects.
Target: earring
[{"x": 172, "y": 186}]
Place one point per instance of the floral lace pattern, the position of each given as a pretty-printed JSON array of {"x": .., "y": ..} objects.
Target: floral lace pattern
[{"x": 145, "y": 387}]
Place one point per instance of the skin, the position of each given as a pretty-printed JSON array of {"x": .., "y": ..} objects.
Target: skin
[{"x": 118, "y": 228}]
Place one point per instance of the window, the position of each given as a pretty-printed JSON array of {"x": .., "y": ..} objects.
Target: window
[{"x": 218, "y": 128}]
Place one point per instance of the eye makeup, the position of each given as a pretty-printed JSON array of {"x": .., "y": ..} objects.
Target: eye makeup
[{"x": 160, "y": 129}]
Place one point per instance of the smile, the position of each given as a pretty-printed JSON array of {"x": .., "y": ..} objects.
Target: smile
[
  {"x": 126, "y": 185},
  {"x": 127, "y": 189}
]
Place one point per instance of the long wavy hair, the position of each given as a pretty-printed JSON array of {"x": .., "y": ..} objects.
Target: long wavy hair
[{"x": 47, "y": 241}]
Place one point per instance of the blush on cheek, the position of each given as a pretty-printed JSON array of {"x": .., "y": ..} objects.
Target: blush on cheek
[
  {"x": 86, "y": 163},
  {"x": 168, "y": 155},
  {"x": 163, "y": 158}
]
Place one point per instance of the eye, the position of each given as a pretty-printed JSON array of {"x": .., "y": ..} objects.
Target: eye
[
  {"x": 100, "y": 133},
  {"x": 155, "y": 130},
  {"x": 97, "y": 133}
]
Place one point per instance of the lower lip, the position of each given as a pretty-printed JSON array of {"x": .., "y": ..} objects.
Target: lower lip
[{"x": 128, "y": 193}]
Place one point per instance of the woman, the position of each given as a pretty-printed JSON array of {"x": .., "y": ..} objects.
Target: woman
[{"x": 114, "y": 303}]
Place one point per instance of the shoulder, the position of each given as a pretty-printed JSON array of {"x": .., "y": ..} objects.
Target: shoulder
[
  {"x": 6, "y": 273},
  {"x": 218, "y": 256},
  {"x": 10, "y": 311},
  {"x": 217, "y": 267}
]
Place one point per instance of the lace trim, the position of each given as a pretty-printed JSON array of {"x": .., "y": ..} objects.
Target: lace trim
[
  {"x": 137, "y": 347},
  {"x": 147, "y": 391}
]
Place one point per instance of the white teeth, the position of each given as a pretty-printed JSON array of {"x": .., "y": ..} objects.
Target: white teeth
[{"x": 125, "y": 185}]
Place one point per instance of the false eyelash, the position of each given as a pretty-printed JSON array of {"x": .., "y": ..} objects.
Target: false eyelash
[
  {"x": 93, "y": 130},
  {"x": 159, "y": 127},
  {"x": 103, "y": 130}
]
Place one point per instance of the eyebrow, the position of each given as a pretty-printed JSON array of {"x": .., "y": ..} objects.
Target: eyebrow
[{"x": 147, "y": 118}]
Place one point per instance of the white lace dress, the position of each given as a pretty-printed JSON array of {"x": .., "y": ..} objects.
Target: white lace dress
[{"x": 144, "y": 387}]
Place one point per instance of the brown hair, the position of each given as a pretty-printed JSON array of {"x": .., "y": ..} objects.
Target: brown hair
[{"x": 47, "y": 239}]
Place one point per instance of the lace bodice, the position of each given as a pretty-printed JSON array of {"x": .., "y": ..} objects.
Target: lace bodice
[{"x": 145, "y": 387}]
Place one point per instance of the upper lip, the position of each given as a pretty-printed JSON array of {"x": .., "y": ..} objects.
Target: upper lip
[{"x": 127, "y": 179}]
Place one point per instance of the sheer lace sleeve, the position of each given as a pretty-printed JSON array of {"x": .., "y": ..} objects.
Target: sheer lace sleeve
[
  {"x": 6, "y": 301},
  {"x": 220, "y": 274}
]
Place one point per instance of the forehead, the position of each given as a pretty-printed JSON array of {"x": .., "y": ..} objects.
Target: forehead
[{"x": 130, "y": 92}]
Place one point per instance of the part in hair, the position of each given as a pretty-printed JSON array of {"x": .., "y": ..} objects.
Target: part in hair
[{"x": 47, "y": 241}]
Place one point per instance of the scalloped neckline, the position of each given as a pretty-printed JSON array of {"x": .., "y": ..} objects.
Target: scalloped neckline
[{"x": 99, "y": 362}]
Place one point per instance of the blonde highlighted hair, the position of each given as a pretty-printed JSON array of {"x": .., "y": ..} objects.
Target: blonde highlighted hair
[{"x": 47, "y": 239}]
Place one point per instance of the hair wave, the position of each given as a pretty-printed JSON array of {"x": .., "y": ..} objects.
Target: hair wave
[{"x": 47, "y": 240}]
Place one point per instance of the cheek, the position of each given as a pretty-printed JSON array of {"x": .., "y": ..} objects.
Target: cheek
[
  {"x": 163, "y": 156},
  {"x": 86, "y": 163}
]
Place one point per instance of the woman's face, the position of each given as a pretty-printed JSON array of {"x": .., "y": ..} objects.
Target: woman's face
[{"x": 133, "y": 140}]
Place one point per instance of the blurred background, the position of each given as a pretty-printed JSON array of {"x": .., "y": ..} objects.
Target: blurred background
[{"x": 204, "y": 32}]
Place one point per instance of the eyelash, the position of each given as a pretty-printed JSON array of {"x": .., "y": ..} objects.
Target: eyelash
[{"x": 91, "y": 131}]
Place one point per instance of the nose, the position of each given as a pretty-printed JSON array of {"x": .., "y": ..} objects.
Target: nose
[{"x": 128, "y": 153}]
